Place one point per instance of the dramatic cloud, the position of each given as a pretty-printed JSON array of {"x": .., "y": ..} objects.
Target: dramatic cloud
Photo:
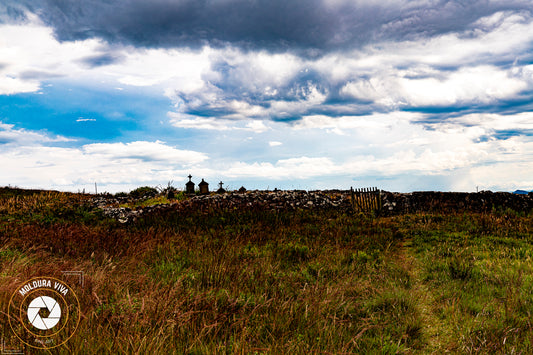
[
  {"x": 321, "y": 91},
  {"x": 313, "y": 26},
  {"x": 31, "y": 55}
]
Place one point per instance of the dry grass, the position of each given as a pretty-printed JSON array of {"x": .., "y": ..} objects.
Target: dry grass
[{"x": 259, "y": 281}]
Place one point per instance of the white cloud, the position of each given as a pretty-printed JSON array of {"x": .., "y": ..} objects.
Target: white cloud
[
  {"x": 180, "y": 120},
  {"x": 491, "y": 122},
  {"x": 373, "y": 121},
  {"x": 511, "y": 35},
  {"x": 255, "y": 71},
  {"x": 482, "y": 84},
  {"x": 22, "y": 137},
  {"x": 180, "y": 69},
  {"x": 194, "y": 122},
  {"x": 390, "y": 149},
  {"x": 502, "y": 176},
  {"x": 274, "y": 143},
  {"x": 32, "y": 54},
  {"x": 237, "y": 91},
  {"x": 407, "y": 161},
  {"x": 303, "y": 167},
  {"x": 105, "y": 163},
  {"x": 144, "y": 151},
  {"x": 10, "y": 85},
  {"x": 257, "y": 126}
]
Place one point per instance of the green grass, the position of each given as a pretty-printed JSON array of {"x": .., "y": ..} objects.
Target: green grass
[
  {"x": 156, "y": 200},
  {"x": 277, "y": 282},
  {"x": 479, "y": 270}
]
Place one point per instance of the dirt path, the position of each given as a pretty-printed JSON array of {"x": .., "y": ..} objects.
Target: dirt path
[{"x": 434, "y": 333}]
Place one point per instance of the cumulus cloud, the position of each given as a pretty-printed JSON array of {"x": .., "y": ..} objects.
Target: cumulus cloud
[
  {"x": 480, "y": 66},
  {"x": 31, "y": 159},
  {"x": 31, "y": 55},
  {"x": 483, "y": 84}
]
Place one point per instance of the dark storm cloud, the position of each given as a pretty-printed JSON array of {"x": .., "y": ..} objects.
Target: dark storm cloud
[
  {"x": 311, "y": 26},
  {"x": 12, "y": 12}
]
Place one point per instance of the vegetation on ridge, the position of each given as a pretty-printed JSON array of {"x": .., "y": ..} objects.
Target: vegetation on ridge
[{"x": 274, "y": 281}]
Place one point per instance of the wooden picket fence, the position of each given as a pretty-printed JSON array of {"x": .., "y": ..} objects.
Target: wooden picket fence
[{"x": 366, "y": 199}]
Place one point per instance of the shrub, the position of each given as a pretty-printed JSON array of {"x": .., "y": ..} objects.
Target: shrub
[{"x": 144, "y": 192}]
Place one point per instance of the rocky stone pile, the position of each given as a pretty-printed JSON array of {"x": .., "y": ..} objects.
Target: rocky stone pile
[
  {"x": 110, "y": 207},
  {"x": 447, "y": 202},
  {"x": 392, "y": 203},
  {"x": 273, "y": 200},
  {"x": 287, "y": 200}
]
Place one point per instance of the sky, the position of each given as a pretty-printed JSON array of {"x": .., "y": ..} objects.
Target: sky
[{"x": 404, "y": 95}]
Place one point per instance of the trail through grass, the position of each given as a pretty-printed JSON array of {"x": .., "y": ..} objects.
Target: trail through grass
[{"x": 436, "y": 334}]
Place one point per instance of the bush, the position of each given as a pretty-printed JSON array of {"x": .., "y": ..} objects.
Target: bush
[{"x": 144, "y": 192}]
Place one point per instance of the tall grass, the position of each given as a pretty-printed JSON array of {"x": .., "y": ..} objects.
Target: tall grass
[{"x": 261, "y": 281}]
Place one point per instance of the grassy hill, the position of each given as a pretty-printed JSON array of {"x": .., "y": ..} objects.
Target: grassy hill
[{"x": 257, "y": 280}]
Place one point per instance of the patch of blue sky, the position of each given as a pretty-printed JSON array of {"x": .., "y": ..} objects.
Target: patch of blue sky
[{"x": 90, "y": 114}]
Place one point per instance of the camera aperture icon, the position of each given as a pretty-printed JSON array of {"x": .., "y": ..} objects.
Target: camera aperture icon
[
  {"x": 44, "y": 312},
  {"x": 34, "y": 308}
]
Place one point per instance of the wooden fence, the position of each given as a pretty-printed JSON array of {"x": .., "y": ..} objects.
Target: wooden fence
[{"x": 366, "y": 199}]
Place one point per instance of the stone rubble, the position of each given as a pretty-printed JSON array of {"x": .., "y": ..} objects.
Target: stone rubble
[
  {"x": 288, "y": 200},
  {"x": 392, "y": 203},
  {"x": 434, "y": 201}
]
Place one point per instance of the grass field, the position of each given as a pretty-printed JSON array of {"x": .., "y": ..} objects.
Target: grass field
[{"x": 277, "y": 282}]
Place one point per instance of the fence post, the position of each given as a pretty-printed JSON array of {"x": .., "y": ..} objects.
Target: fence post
[
  {"x": 378, "y": 194},
  {"x": 352, "y": 198}
]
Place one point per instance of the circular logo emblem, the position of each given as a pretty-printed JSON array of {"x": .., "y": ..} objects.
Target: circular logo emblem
[
  {"x": 54, "y": 312},
  {"x": 44, "y": 312}
]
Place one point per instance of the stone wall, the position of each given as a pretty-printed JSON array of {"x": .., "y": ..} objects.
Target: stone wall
[
  {"x": 393, "y": 203},
  {"x": 432, "y": 201}
]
